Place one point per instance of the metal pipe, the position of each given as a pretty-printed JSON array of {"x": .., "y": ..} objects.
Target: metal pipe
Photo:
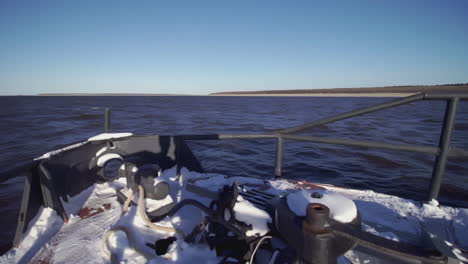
[
  {"x": 279, "y": 157},
  {"x": 178, "y": 145},
  {"x": 365, "y": 143},
  {"x": 260, "y": 194},
  {"x": 220, "y": 136},
  {"x": 358, "y": 112},
  {"x": 107, "y": 120},
  {"x": 444, "y": 144},
  {"x": 200, "y": 137},
  {"x": 247, "y": 136},
  {"x": 258, "y": 198},
  {"x": 458, "y": 153},
  {"x": 454, "y": 152},
  {"x": 264, "y": 194},
  {"x": 444, "y": 96},
  {"x": 258, "y": 204}
]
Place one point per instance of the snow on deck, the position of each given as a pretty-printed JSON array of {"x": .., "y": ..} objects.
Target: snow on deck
[
  {"x": 55, "y": 152},
  {"x": 246, "y": 212},
  {"x": 105, "y": 136},
  {"x": 80, "y": 240},
  {"x": 407, "y": 218},
  {"x": 99, "y": 137},
  {"x": 341, "y": 208}
]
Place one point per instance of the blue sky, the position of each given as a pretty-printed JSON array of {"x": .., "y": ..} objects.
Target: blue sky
[{"x": 199, "y": 47}]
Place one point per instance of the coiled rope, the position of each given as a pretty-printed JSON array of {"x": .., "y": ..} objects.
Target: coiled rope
[
  {"x": 141, "y": 209},
  {"x": 131, "y": 241}
]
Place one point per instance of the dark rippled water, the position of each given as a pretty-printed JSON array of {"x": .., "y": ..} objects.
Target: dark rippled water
[{"x": 31, "y": 126}]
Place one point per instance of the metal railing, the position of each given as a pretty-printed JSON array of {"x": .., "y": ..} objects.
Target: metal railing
[{"x": 442, "y": 152}]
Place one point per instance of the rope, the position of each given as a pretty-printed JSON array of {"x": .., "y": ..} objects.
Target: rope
[
  {"x": 273, "y": 258},
  {"x": 142, "y": 213},
  {"x": 256, "y": 248},
  {"x": 131, "y": 240},
  {"x": 128, "y": 201}
]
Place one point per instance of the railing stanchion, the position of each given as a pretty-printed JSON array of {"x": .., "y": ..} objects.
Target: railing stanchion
[
  {"x": 444, "y": 146},
  {"x": 107, "y": 120},
  {"x": 178, "y": 156},
  {"x": 279, "y": 156}
]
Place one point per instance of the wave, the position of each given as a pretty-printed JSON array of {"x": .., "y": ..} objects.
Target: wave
[{"x": 86, "y": 116}]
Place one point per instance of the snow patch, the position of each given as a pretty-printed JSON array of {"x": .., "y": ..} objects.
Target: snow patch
[
  {"x": 251, "y": 215},
  {"x": 405, "y": 217},
  {"x": 341, "y": 208},
  {"x": 152, "y": 204},
  {"x": 387, "y": 235},
  {"x": 283, "y": 185},
  {"x": 119, "y": 245},
  {"x": 42, "y": 227},
  {"x": 95, "y": 138},
  {"x": 214, "y": 182},
  {"x": 73, "y": 204},
  {"x": 102, "y": 160},
  {"x": 434, "y": 202},
  {"x": 102, "y": 150},
  {"x": 105, "y": 136},
  {"x": 55, "y": 152}
]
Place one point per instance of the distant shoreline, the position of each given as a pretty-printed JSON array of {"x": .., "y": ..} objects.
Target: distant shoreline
[
  {"x": 111, "y": 94},
  {"x": 230, "y": 95},
  {"x": 319, "y": 94},
  {"x": 245, "y": 95},
  {"x": 387, "y": 91}
]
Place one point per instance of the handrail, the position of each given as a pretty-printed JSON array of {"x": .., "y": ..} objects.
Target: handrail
[
  {"x": 442, "y": 152},
  {"x": 365, "y": 143},
  {"x": 444, "y": 145},
  {"x": 225, "y": 136},
  {"x": 444, "y": 96},
  {"x": 365, "y": 110}
]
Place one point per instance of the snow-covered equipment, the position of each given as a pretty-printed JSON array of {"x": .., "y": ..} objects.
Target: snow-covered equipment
[{"x": 310, "y": 226}]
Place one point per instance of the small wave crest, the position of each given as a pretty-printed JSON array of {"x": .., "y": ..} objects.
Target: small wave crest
[
  {"x": 86, "y": 116},
  {"x": 381, "y": 161}
]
